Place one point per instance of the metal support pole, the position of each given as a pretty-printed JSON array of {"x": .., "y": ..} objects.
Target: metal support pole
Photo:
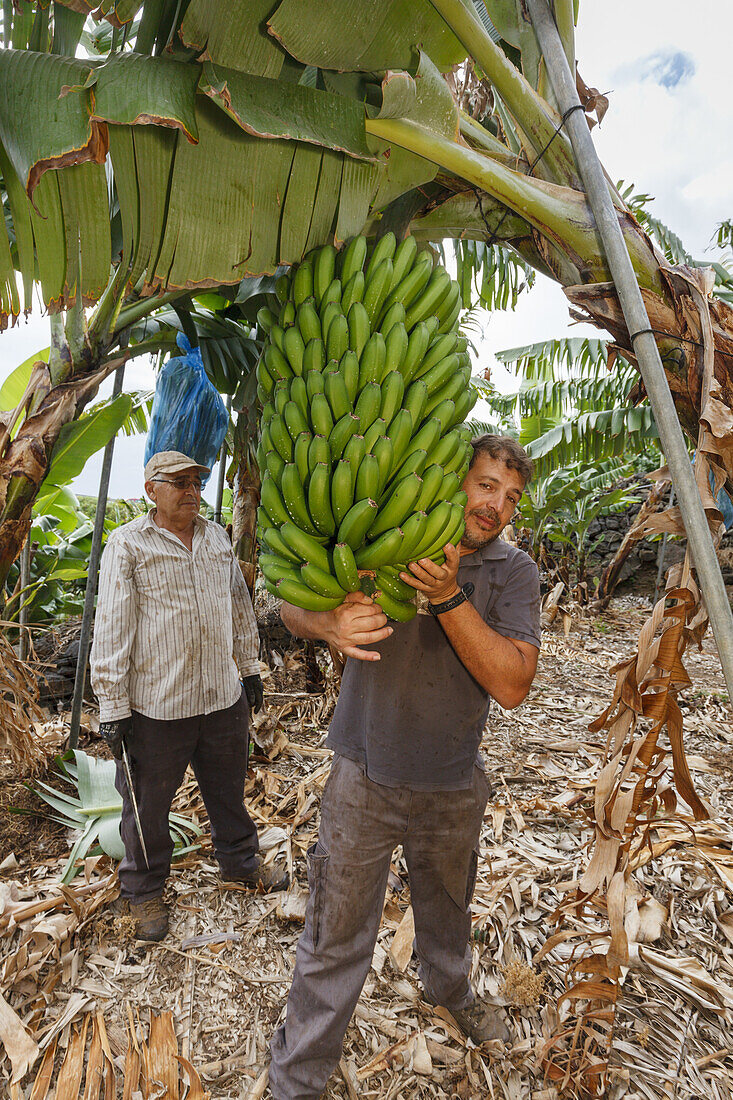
[
  {"x": 645, "y": 346},
  {"x": 222, "y": 472},
  {"x": 25, "y": 576},
  {"x": 92, "y": 576}
]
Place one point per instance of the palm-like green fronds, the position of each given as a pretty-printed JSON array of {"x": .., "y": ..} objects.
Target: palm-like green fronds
[{"x": 95, "y": 811}]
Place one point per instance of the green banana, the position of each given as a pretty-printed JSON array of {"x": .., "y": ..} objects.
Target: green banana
[
  {"x": 343, "y": 430},
  {"x": 367, "y": 479},
  {"x": 294, "y": 498},
  {"x": 404, "y": 258},
  {"x": 397, "y": 610},
  {"x": 438, "y": 375},
  {"x": 264, "y": 378},
  {"x": 349, "y": 367},
  {"x": 424, "y": 440},
  {"x": 413, "y": 463},
  {"x": 329, "y": 313},
  {"x": 274, "y": 465},
  {"x": 357, "y": 521},
  {"x": 417, "y": 343},
  {"x": 337, "y": 394},
  {"x": 319, "y": 499},
  {"x": 395, "y": 315},
  {"x": 447, "y": 324},
  {"x": 321, "y": 418},
  {"x": 413, "y": 283},
  {"x": 321, "y": 582},
  {"x": 440, "y": 347},
  {"x": 427, "y": 303},
  {"x": 354, "y": 452},
  {"x": 314, "y": 356},
  {"x": 342, "y": 490},
  {"x": 300, "y": 595},
  {"x": 318, "y": 451},
  {"x": 308, "y": 321},
  {"x": 287, "y": 315},
  {"x": 464, "y": 404},
  {"x": 265, "y": 319},
  {"x": 302, "y": 283},
  {"x": 415, "y": 401},
  {"x": 382, "y": 551},
  {"x": 383, "y": 451},
  {"x": 446, "y": 449},
  {"x": 359, "y": 328},
  {"x": 337, "y": 340},
  {"x": 293, "y": 347},
  {"x": 451, "y": 391},
  {"x": 352, "y": 258},
  {"x": 373, "y": 357},
  {"x": 300, "y": 456},
  {"x": 368, "y": 403},
  {"x": 276, "y": 544},
  {"x": 272, "y": 502},
  {"x": 432, "y": 480},
  {"x": 281, "y": 438},
  {"x": 444, "y": 414},
  {"x": 314, "y": 383},
  {"x": 400, "y": 432},
  {"x": 324, "y": 267},
  {"x": 281, "y": 396},
  {"x": 353, "y": 291},
  {"x": 344, "y": 566},
  {"x": 393, "y": 391},
  {"x": 276, "y": 363},
  {"x": 389, "y": 581},
  {"x": 295, "y": 422},
  {"x": 383, "y": 250},
  {"x": 414, "y": 531},
  {"x": 305, "y": 546},
  {"x": 396, "y": 343},
  {"x": 374, "y": 432},
  {"x": 436, "y": 524},
  {"x": 398, "y": 504},
  {"x": 275, "y": 567},
  {"x": 299, "y": 394},
  {"x": 376, "y": 289},
  {"x": 448, "y": 303}
]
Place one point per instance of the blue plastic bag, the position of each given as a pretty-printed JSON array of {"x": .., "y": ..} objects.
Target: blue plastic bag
[{"x": 188, "y": 412}]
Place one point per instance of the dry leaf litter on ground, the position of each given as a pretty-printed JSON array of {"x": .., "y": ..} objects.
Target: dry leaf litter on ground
[{"x": 209, "y": 997}]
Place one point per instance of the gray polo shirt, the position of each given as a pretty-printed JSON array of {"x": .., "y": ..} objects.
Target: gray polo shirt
[{"x": 415, "y": 718}]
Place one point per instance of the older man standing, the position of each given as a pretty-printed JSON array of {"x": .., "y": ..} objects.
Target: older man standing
[
  {"x": 406, "y": 731},
  {"x": 175, "y": 641}
]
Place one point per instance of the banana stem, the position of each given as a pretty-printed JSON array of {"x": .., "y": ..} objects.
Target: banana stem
[{"x": 531, "y": 112}]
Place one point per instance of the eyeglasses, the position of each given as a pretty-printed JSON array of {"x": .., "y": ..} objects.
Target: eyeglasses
[{"x": 181, "y": 482}]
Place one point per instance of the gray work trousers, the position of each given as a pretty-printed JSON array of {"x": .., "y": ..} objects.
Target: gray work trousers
[
  {"x": 216, "y": 746},
  {"x": 361, "y": 824}
]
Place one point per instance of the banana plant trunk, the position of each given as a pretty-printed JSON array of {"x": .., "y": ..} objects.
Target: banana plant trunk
[{"x": 246, "y": 496}]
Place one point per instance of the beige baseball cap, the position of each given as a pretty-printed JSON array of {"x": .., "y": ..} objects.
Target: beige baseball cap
[{"x": 171, "y": 462}]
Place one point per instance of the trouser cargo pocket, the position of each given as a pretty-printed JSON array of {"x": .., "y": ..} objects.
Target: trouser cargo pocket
[{"x": 317, "y": 863}]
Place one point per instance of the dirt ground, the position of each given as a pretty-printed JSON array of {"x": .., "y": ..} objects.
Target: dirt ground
[{"x": 226, "y": 990}]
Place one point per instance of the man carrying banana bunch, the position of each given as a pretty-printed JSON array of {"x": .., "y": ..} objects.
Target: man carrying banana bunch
[{"x": 406, "y": 732}]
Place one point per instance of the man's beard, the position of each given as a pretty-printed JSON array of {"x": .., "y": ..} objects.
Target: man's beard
[{"x": 477, "y": 541}]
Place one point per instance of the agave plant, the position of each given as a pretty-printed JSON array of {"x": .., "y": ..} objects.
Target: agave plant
[{"x": 95, "y": 811}]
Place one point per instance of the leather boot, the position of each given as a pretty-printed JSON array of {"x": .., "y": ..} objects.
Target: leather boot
[{"x": 151, "y": 918}]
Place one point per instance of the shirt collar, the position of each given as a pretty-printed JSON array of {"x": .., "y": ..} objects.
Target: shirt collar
[
  {"x": 199, "y": 522},
  {"x": 497, "y": 550}
]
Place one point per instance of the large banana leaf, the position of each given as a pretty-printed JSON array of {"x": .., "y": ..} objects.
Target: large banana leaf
[{"x": 84, "y": 437}]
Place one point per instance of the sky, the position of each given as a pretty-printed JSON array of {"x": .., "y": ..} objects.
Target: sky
[{"x": 668, "y": 130}]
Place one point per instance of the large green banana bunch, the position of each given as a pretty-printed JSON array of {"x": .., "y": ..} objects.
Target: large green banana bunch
[{"x": 364, "y": 383}]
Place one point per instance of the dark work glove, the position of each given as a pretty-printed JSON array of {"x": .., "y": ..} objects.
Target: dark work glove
[
  {"x": 253, "y": 690},
  {"x": 114, "y": 734}
]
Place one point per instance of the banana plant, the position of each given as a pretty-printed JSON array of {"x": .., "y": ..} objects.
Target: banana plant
[{"x": 231, "y": 140}]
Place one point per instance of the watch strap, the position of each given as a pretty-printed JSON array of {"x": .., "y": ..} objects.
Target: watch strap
[{"x": 447, "y": 605}]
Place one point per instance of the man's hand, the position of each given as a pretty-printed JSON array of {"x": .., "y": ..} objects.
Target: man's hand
[
  {"x": 114, "y": 733},
  {"x": 356, "y": 622},
  {"x": 438, "y": 582},
  {"x": 253, "y": 690}
]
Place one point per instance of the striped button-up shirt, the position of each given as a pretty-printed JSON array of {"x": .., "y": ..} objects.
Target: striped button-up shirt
[{"x": 175, "y": 628}]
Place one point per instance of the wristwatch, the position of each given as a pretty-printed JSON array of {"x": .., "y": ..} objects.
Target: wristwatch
[{"x": 448, "y": 605}]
